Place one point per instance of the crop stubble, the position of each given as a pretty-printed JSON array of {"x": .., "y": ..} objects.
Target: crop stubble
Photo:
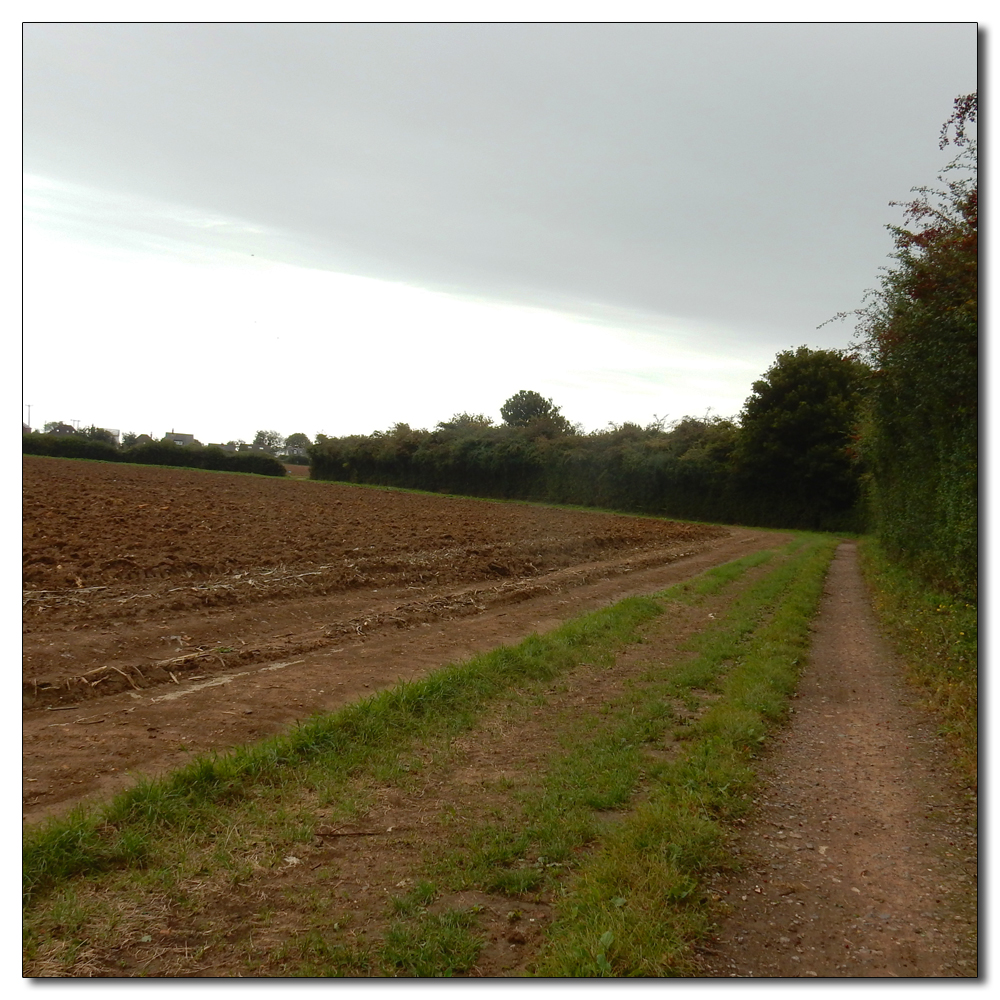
[{"x": 174, "y": 610}]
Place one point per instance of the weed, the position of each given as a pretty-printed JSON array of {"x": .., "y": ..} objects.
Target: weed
[
  {"x": 436, "y": 945},
  {"x": 416, "y": 900},
  {"x": 937, "y": 636}
]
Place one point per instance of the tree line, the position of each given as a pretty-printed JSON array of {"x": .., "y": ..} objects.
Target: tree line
[
  {"x": 787, "y": 461},
  {"x": 882, "y": 437},
  {"x": 98, "y": 448}
]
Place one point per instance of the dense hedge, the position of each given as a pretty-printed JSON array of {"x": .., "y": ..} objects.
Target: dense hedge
[
  {"x": 69, "y": 446},
  {"x": 687, "y": 471},
  {"x": 152, "y": 453},
  {"x": 920, "y": 433}
]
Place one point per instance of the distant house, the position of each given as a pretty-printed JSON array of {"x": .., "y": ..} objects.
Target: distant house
[
  {"x": 142, "y": 439},
  {"x": 181, "y": 439},
  {"x": 60, "y": 428},
  {"x": 25, "y": 429}
]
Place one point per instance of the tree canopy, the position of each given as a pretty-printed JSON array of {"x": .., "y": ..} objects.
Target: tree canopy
[
  {"x": 270, "y": 441},
  {"x": 920, "y": 332},
  {"x": 527, "y": 408},
  {"x": 797, "y": 429}
]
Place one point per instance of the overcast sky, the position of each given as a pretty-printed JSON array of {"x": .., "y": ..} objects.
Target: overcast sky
[{"x": 336, "y": 227}]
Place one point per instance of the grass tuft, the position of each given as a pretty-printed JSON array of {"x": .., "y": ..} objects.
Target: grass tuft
[{"x": 937, "y": 636}]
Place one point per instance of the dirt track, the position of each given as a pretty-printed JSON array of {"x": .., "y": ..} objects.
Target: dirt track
[
  {"x": 207, "y": 609},
  {"x": 861, "y": 861}
]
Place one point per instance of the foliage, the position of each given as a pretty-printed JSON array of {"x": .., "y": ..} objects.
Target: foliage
[
  {"x": 165, "y": 453},
  {"x": 270, "y": 441},
  {"x": 466, "y": 422},
  {"x": 937, "y": 636},
  {"x": 529, "y": 409},
  {"x": 797, "y": 428},
  {"x": 93, "y": 433},
  {"x": 68, "y": 446},
  {"x": 298, "y": 440},
  {"x": 152, "y": 453},
  {"x": 684, "y": 470},
  {"x": 921, "y": 335},
  {"x": 129, "y": 438}
]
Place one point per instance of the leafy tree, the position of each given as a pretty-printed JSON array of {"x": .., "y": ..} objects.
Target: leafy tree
[
  {"x": 298, "y": 440},
  {"x": 531, "y": 410},
  {"x": 93, "y": 433},
  {"x": 794, "y": 449},
  {"x": 129, "y": 438},
  {"x": 269, "y": 441},
  {"x": 711, "y": 439},
  {"x": 524, "y": 407},
  {"x": 920, "y": 332}
]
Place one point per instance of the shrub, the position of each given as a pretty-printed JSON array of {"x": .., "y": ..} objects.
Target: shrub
[
  {"x": 153, "y": 453},
  {"x": 68, "y": 446}
]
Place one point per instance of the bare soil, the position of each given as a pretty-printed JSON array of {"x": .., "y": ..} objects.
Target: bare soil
[
  {"x": 204, "y": 610},
  {"x": 339, "y": 887}
]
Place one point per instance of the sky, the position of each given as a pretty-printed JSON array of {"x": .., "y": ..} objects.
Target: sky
[{"x": 336, "y": 227}]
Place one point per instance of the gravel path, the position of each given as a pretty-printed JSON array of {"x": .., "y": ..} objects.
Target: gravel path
[{"x": 861, "y": 857}]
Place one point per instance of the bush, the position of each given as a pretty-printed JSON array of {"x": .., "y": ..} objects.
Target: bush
[
  {"x": 153, "y": 453},
  {"x": 920, "y": 437},
  {"x": 68, "y": 446}
]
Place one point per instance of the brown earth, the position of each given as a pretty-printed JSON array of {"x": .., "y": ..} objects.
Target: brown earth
[{"x": 213, "y": 609}]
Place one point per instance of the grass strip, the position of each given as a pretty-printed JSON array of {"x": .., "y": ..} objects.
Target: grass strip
[
  {"x": 534, "y": 841},
  {"x": 605, "y": 765},
  {"x": 937, "y": 636},
  {"x": 137, "y": 825},
  {"x": 635, "y": 907},
  {"x": 604, "y": 761}
]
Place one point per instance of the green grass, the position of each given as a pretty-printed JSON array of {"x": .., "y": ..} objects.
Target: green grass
[
  {"x": 434, "y": 945},
  {"x": 937, "y": 635},
  {"x": 636, "y": 905}
]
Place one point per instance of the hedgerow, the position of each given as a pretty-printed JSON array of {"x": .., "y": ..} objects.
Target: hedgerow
[
  {"x": 690, "y": 470},
  {"x": 153, "y": 453},
  {"x": 920, "y": 429}
]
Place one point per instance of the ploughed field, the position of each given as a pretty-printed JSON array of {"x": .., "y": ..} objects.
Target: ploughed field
[{"x": 134, "y": 575}]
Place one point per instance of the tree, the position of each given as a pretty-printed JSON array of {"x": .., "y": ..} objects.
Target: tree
[
  {"x": 99, "y": 434},
  {"x": 794, "y": 451},
  {"x": 129, "y": 438},
  {"x": 529, "y": 409},
  {"x": 920, "y": 332},
  {"x": 298, "y": 440},
  {"x": 269, "y": 441}
]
